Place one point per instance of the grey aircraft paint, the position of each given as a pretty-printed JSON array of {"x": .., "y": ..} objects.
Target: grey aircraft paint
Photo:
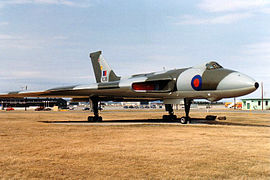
[
  {"x": 208, "y": 81},
  {"x": 101, "y": 68}
]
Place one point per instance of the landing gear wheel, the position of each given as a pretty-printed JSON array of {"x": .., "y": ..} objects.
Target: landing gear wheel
[
  {"x": 173, "y": 117},
  {"x": 99, "y": 119},
  {"x": 169, "y": 117},
  {"x": 184, "y": 120},
  {"x": 165, "y": 117},
  {"x": 94, "y": 118},
  {"x": 90, "y": 118}
]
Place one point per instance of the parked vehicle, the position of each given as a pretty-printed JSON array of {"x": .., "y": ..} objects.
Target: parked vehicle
[
  {"x": 10, "y": 109},
  {"x": 41, "y": 108}
]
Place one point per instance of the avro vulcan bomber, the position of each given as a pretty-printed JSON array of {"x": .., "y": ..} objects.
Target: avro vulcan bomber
[{"x": 207, "y": 81}]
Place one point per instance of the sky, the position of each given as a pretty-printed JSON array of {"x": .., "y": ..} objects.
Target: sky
[{"x": 46, "y": 43}]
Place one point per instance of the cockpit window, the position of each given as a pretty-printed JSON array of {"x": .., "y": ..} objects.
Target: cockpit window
[{"x": 213, "y": 65}]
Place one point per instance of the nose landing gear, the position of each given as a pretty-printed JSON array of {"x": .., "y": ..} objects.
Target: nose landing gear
[{"x": 185, "y": 119}]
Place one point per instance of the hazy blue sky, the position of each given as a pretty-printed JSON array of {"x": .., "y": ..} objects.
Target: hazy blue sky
[{"x": 46, "y": 43}]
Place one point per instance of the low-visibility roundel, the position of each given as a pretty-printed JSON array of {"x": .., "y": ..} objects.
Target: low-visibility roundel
[{"x": 196, "y": 82}]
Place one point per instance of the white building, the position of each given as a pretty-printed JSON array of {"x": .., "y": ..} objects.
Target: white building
[
  {"x": 256, "y": 104},
  {"x": 130, "y": 103}
]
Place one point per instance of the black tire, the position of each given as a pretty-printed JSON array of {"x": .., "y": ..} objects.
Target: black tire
[
  {"x": 183, "y": 120},
  {"x": 90, "y": 119},
  {"x": 94, "y": 119},
  {"x": 173, "y": 117},
  {"x": 169, "y": 117},
  {"x": 99, "y": 119},
  {"x": 165, "y": 117}
]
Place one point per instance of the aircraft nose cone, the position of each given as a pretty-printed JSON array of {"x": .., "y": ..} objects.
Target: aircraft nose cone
[
  {"x": 237, "y": 80},
  {"x": 256, "y": 85}
]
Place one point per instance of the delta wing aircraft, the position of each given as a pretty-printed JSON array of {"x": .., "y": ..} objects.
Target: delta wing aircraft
[{"x": 208, "y": 81}]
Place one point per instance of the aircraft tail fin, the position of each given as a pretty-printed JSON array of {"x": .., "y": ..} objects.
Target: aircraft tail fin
[{"x": 102, "y": 70}]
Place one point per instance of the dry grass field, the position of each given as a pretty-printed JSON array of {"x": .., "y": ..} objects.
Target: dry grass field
[{"x": 238, "y": 148}]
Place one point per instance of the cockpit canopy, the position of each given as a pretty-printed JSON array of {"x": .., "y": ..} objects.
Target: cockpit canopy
[{"x": 213, "y": 65}]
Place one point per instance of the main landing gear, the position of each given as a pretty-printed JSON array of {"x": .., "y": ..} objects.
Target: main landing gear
[
  {"x": 94, "y": 106},
  {"x": 171, "y": 116}
]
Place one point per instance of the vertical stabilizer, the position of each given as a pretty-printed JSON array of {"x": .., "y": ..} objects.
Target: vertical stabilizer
[{"x": 102, "y": 70}]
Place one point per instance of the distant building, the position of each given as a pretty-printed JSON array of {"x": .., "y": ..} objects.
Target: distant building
[
  {"x": 130, "y": 103},
  {"x": 256, "y": 104},
  {"x": 28, "y": 102}
]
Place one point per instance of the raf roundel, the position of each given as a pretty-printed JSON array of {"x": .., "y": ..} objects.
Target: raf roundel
[{"x": 196, "y": 82}]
